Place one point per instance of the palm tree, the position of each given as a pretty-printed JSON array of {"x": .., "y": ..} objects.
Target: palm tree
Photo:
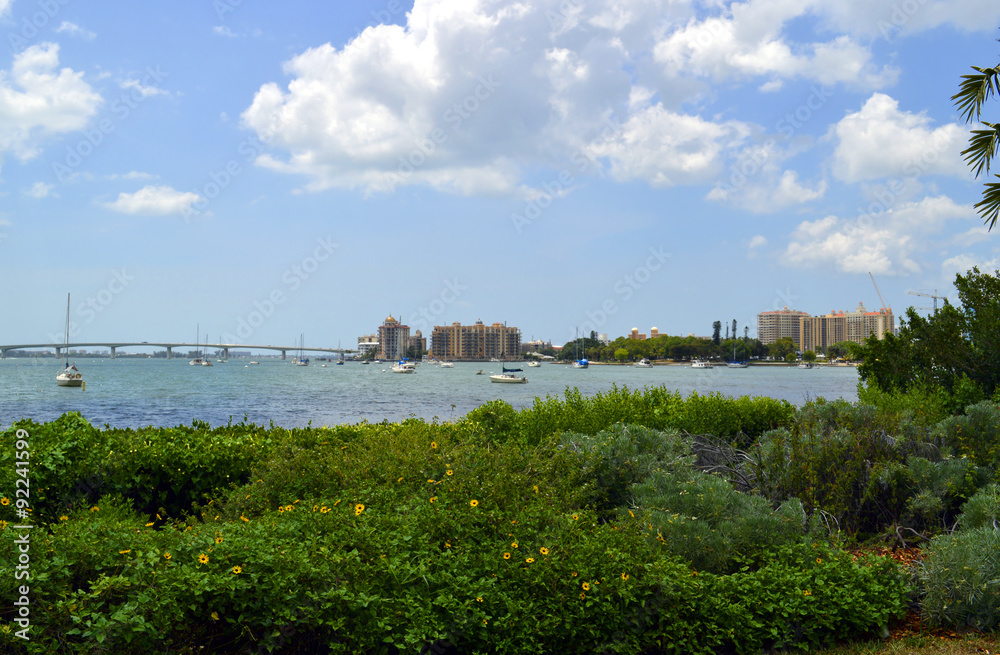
[{"x": 974, "y": 91}]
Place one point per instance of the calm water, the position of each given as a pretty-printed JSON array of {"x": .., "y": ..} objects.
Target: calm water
[{"x": 141, "y": 392}]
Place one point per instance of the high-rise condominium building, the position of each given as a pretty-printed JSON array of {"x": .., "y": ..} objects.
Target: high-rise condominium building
[{"x": 475, "y": 342}]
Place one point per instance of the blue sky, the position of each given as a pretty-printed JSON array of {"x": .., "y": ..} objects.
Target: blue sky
[{"x": 268, "y": 170}]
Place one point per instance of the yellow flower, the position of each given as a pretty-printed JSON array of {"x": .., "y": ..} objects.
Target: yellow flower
[
  {"x": 485, "y": 622},
  {"x": 315, "y": 507},
  {"x": 631, "y": 514},
  {"x": 63, "y": 518},
  {"x": 5, "y": 501},
  {"x": 450, "y": 472},
  {"x": 586, "y": 586},
  {"x": 535, "y": 488},
  {"x": 237, "y": 570},
  {"x": 289, "y": 508},
  {"x": 149, "y": 525},
  {"x": 358, "y": 509},
  {"x": 807, "y": 593},
  {"x": 203, "y": 558},
  {"x": 324, "y": 509},
  {"x": 243, "y": 518},
  {"x": 124, "y": 552},
  {"x": 819, "y": 561},
  {"x": 530, "y": 560},
  {"x": 434, "y": 445},
  {"x": 474, "y": 503},
  {"x": 447, "y": 544},
  {"x": 513, "y": 544},
  {"x": 400, "y": 479},
  {"x": 506, "y": 555},
  {"x": 281, "y": 510},
  {"x": 215, "y": 616},
  {"x": 433, "y": 498},
  {"x": 576, "y": 517},
  {"x": 543, "y": 551},
  {"x": 167, "y": 555},
  {"x": 583, "y": 596},
  {"x": 479, "y": 599},
  {"x": 218, "y": 540},
  {"x": 624, "y": 576},
  {"x": 95, "y": 508},
  {"x": 430, "y": 480},
  {"x": 336, "y": 503},
  {"x": 573, "y": 574}
]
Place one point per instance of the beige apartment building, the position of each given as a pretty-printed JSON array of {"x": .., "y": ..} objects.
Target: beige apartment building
[
  {"x": 393, "y": 339},
  {"x": 457, "y": 342},
  {"x": 815, "y": 332}
]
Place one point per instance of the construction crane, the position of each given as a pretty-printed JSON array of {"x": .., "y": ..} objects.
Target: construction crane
[
  {"x": 929, "y": 295},
  {"x": 884, "y": 308}
]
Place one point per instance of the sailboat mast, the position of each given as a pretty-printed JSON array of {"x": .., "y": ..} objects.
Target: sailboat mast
[{"x": 67, "y": 331}]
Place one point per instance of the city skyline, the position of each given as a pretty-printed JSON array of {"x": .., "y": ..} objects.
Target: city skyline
[{"x": 568, "y": 166}]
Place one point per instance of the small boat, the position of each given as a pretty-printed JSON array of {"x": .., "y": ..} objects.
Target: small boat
[
  {"x": 507, "y": 376},
  {"x": 737, "y": 365},
  {"x": 197, "y": 361},
  {"x": 300, "y": 360},
  {"x": 404, "y": 366},
  {"x": 340, "y": 362},
  {"x": 581, "y": 362},
  {"x": 254, "y": 362},
  {"x": 534, "y": 364},
  {"x": 700, "y": 363},
  {"x": 479, "y": 372},
  {"x": 70, "y": 376},
  {"x": 365, "y": 362},
  {"x": 643, "y": 363},
  {"x": 806, "y": 365},
  {"x": 208, "y": 360},
  {"x": 447, "y": 365}
]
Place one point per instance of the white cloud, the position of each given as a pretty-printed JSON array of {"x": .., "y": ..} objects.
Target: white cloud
[
  {"x": 666, "y": 149},
  {"x": 963, "y": 263},
  {"x": 39, "y": 190},
  {"x": 890, "y": 244},
  {"x": 880, "y": 141},
  {"x": 155, "y": 201},
  {"x": 73, "y": 29},
  {"x": 144, "y": 90},
  {"x": 131, "y": 175},
  {"x": 469, "y": 94},
  {"x": 222, "y": 30},
  {"x": 758, "y": 241},
  {"x": 37, "y": 99},
  {"x": 5, "y": 6},
  {"x": 747, "y": 41}
]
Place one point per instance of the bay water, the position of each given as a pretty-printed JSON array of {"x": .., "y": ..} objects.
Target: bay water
[{"x": 133, "y": 392}]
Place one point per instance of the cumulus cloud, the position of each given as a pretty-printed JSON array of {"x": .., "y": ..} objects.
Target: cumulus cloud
[
  {"x": 154, "y": 201},
  {"x": 37, "y": 99},
  {"x": 891, "y": 244},
  {"x": 747, "y": 41},
  {"x": 881, "y": 141}
]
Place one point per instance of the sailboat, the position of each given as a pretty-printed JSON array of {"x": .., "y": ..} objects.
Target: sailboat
[
  {"x": 340, "y": 362},
  {"x": 70, "y": 376},
  {"x": 734, "y": 363},
  {"x": 300, "y": 360},
  {"x": 207, "y": 361},
  {"x": 507, "y": 374},
  {"x": 197, "y": 361},
  {"x": 580, "y": 362}
]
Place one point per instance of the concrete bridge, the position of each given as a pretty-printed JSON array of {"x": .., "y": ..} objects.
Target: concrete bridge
[{"x": 115, "y": 345}]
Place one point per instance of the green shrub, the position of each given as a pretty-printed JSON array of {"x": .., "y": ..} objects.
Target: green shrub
[
  {"x": 960, "y": 577},
  {"x": 975, "y": 434},
  {"x": 982, "y": 510},
  {"x": 704, "y": 520}
]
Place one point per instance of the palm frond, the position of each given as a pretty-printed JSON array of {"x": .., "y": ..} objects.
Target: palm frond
[
  {"x": 982, "y": 148},
  {"x": 975, "y": 90},
  {"x": 989, "y": 206}
]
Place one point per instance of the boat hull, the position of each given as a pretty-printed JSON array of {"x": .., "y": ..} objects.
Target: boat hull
[
  {"x": 69, "y": 382},
  {"x": 508, "y": 379}
]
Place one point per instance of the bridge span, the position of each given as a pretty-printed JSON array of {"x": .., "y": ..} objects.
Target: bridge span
[{"x": 115, "y": 345}]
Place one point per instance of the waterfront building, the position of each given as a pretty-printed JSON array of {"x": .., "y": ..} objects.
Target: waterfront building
[
  {"x": 635, "y": 335},
  {"x": 419, "y": 342},
  {"x": 393, "y": 339},
  {"x": 367, "y": 343},
  {"x": 817, "y": 332},
  {"x": 476, "y": 342},
  {"x": 779, "y": 324}
]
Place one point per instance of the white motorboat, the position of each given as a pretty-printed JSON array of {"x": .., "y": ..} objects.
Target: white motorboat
[
  {"x": 700, "y": 363},
  {"x": 403, "y": 366},
  {"x": 534, "y": 364},
  {"x": 447, "y": 365},
  {"x": 643, "y": 363},
  {"x": 737, "y": 365},
  {"x": 70, "y": 375},
  {"x": 806, "y": 365},
  {"x": 254, "y": 362}
]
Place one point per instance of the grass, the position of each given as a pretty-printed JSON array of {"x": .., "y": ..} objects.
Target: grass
[{"x": 927, "y": 643}]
